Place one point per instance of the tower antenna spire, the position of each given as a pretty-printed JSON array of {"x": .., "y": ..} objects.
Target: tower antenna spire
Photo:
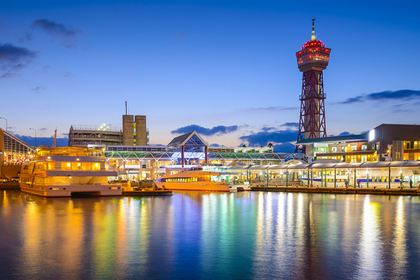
[{"x": 313, "y": 29}]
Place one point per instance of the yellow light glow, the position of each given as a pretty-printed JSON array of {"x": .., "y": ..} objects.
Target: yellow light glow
[{"x": 68, "y": 164}]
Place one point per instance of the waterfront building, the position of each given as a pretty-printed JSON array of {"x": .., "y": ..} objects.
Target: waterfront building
[
  {"x": 150, "y": 162},
  {"x": 13, "y": 152},
  {"x": 134, "y": 132},
  {"x": 333, "y": 173},
  {"x": 386, "y": 142}
]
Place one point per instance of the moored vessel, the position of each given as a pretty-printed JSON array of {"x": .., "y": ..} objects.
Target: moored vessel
[
  {"x": 61, "y": 171},
  {"x": 197, "y": 179}
]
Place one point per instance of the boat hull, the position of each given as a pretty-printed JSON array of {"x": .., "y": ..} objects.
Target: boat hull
[
  {"x": 240, "y": 187},
  {"x": 194, "y": 186},
  {"x": 67, "y": 190}
]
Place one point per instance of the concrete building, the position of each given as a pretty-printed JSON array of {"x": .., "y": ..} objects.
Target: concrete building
[
  {"x": 134, "y": 130},
  {"x": 396, "y": 142},
  {"x": 82, "y": 136}
]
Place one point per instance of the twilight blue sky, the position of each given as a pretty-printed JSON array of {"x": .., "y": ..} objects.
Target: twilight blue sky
[{"x": 224, "y": 68}]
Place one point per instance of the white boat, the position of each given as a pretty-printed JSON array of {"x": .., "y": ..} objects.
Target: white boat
[
  {"x": 61, "y": 171},
  {"x": 197, "y": 179},
  {"x": 241, "y": 185}
]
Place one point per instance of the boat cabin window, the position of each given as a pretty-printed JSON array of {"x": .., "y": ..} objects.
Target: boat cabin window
[
  {"x": 96, "y": 166},
  {"x": 51, "y": 165}
]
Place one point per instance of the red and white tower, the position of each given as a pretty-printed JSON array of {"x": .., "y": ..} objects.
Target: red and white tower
[{"x": 312, "y": 59}]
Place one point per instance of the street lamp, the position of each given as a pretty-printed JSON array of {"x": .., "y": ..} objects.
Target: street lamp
[
  {"x": 35, "y": 135},
  {"x": 6, "y": 122}
]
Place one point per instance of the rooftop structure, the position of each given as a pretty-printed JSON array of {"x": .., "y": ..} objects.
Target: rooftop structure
[
  {"x": 240, "y": 150},
  {"x": 189, "y": 142},
  {"x": 82, "y": 136},
  {"x": 312, "y": 59},
  {"x": 134, "y": 130}
]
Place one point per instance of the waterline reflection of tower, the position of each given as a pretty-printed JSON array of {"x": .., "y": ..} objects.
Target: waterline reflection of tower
[{"x": 312, "y": 59}]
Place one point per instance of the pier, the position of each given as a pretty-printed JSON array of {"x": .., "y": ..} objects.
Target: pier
[{"x": 351, "y": 190}]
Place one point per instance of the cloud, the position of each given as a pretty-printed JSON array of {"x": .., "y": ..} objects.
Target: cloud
[
  {"x": 384, "y": 95},
  {"x": 67, "y": 75},
  {"x": 13, "y": 59},
  {"x": 291, "y": 124},
  {"x": 345, "y": 133},
  {"x": 67, "y": 35},
  {"x": 276, "y": 108},
  {"x": 215, "y": 145},
  {"x": 38, "y": 89},
  {"x": 285, "y": 147},
  {"x": 61, "y": 142},
  {"x": 270, "y": 134},
  {"x": 8, "y": 75},
  {"x": 221, "y": 129},
  {"x": 43, "y": 129}
]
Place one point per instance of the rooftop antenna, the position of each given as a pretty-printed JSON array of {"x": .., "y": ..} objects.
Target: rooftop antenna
[
  {"x": 126, "y": 107},
  {"x": 313, "y": 29}
]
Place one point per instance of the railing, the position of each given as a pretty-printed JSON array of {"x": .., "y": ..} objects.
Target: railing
[{"x": 96, "y": 128}]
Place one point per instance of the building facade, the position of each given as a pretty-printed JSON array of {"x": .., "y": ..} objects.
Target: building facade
[
  {"x": 134, "y": 130},
  {"x": 82, "y": 136},
  {"x": 387, "y": 142}
]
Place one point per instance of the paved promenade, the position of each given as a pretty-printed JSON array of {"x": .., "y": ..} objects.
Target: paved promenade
[{"x": 350, "y": 190}]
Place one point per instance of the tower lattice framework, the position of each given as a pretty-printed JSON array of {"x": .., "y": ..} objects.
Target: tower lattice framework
[{"x": 312, "y": 59}]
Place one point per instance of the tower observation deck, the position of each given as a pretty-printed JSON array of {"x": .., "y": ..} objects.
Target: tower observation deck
[{"x": 312, "y": 59}]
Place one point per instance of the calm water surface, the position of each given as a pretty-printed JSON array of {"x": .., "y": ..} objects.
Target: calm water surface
[{"x": 200, "y": 235}]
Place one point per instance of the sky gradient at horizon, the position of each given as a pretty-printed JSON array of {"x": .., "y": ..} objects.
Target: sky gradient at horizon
[{"x": 226, "y": 67}]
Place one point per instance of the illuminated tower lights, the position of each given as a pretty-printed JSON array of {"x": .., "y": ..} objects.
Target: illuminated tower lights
[{"x": 312, "y": 59}]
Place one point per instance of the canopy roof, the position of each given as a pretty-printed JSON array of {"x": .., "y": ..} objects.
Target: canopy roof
[
  {"x": 345, "y": 138},
  {"x": 191, "y": 140},
  {"x": 319, "y": 164}
]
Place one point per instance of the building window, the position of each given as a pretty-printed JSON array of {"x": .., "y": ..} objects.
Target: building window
[
  {"x": 321, "y": 149},
  {"x": 364, "y": 147},
  {"x": 343, "y": 149},
  {"x": 364, "y": 159},
  {"x": 334, "y": 149},
  {"x": 353, "y": 148}
]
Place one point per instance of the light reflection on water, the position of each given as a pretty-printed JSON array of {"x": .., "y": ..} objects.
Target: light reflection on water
[{"x": 201, "y": 235}]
